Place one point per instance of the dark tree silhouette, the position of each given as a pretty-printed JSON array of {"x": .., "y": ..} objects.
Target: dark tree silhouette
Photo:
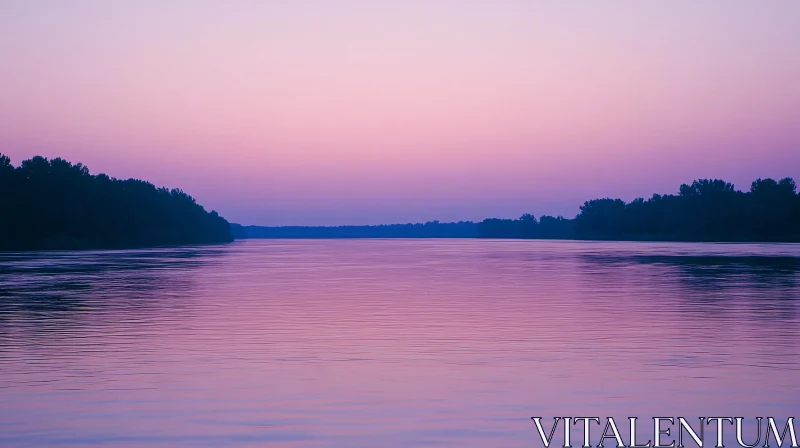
[
  {"x": 431, "y": 229},
  {"x": 54, "y": 204},
  {"x": 706, "y": 210},
  {"x": 601, "y": 215},
  {"x": 526, "y": 227}
]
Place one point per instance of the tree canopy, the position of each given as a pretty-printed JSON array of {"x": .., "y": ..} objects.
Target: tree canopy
[
  {"x": 705, "y": 210},
  {"x": 54, "y": 204}
]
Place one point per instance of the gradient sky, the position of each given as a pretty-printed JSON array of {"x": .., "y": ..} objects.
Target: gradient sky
[{"x": 365, "y": 112}]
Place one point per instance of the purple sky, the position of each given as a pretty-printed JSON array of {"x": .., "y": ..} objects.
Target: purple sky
[{"x": 365, "y": 112}]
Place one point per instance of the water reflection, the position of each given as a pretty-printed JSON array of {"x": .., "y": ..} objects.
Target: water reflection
[
  {"x": 768, "y": 284},
  {"x": 51, "y": 293},
  {"x": 54, "y": 282},
  {"x": 388, "y": 343}
]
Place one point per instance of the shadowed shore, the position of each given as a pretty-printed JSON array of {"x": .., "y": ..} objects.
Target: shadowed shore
[
  {"x": 706, "y": 210},
  {"x": 54, "y": 204}
]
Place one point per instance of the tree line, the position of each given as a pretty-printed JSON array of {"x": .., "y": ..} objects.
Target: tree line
[
  {"x": 54, "y": 204},
  {"x": 430, "y": 229},
  {"x": 706, "y": 210}
]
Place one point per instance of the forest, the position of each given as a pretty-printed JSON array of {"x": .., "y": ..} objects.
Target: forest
[
  {"x": 706, "y": 210},
  {"x": 54, "y": 204}
]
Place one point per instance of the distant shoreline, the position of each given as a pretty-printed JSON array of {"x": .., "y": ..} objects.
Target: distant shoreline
[
  {"x": 57, "y": 205},
  {"x": 394, "y": 231},
  {"x": 707, "y": 210}
]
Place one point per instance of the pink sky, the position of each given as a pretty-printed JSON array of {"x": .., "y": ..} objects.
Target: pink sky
[{"x": 363, "y": 112}]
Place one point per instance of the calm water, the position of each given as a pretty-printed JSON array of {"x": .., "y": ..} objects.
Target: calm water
[{"x": 389, "y": 342}]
